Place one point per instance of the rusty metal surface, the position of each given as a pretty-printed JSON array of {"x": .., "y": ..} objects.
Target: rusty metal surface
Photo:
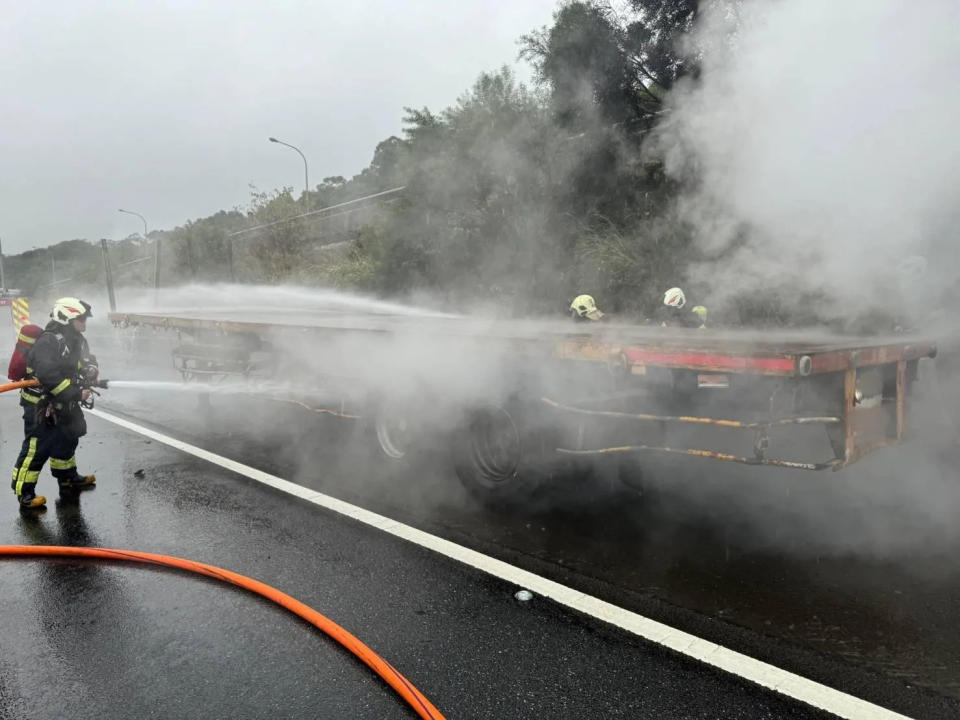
[{"x": 735, "y": 351}]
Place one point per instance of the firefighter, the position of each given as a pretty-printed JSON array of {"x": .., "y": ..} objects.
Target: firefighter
[
  {"x": 673, "y": 312},
  {"x": 53, "y": 419},
  {"x": 584, "y": 308}
]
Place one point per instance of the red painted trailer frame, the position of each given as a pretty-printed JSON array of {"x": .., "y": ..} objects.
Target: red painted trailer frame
[{"x": 871, "y": 378}]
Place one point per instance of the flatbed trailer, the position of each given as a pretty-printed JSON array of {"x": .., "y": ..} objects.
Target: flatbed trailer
[
  {"x": 860, "y": 387},
  {"x": 593, "y": 389}
]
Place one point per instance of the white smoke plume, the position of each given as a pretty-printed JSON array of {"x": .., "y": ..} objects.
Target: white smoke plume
[{"x": 822, "y": 143}]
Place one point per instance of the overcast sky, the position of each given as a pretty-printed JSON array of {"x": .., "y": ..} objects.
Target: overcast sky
[{"x": 165, "y": 107}]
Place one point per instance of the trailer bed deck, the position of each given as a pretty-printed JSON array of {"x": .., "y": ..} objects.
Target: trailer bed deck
[{"x": 776, "y": 353}]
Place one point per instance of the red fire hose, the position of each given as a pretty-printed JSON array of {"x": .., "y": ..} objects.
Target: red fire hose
[{"x": 413, "y": 697}]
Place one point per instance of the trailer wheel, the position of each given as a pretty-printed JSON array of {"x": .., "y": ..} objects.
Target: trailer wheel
[
  {"x": 490, "y": 454},
  {"x": 393, "y": 434}
]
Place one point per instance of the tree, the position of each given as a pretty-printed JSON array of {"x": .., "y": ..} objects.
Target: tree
[
  {"x": 655, "y": 40},
  {"x": 274, "y": 251},
  {"x": 583, "y": 60}
]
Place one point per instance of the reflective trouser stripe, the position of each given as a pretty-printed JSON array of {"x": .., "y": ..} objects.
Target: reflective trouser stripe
[
  {"x": 25, "y": 475},
  {"x": 63, "y": 464}
]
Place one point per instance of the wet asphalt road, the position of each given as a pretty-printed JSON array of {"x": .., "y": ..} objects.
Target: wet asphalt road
[
  {"x": 101, "y": 640},
  {"x": 847, "y": 579}
]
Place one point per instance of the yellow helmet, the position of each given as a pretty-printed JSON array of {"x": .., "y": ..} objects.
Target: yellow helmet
[
  {"x": 584, "y": 306},
  {"x": 701, "y": 312}
]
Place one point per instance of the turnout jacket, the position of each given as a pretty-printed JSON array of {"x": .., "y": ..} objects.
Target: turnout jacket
[
  {"x": 57, "y": 359},
  {"x": 667, "y": 316}
]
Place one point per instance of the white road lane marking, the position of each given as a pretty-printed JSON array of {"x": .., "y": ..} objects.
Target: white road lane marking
[{"x": 761, "y": 673}]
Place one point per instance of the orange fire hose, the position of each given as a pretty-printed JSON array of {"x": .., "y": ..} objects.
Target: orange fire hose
[
  {"x": 18, "y": 384},
  {"x": 423, "y": 707}
]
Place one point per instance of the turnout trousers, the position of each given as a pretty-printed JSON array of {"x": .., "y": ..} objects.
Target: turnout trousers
[{"x": 42, "y": 441}]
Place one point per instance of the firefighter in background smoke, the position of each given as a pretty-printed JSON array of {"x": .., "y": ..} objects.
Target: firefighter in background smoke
[
  {"x": 53, "y": 419},
  {"x": 674, "y": 312},
  {"x": 584, "y": 308}
]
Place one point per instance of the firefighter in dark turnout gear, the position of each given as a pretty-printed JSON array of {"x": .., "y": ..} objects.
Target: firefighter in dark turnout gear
[
  {"x": 52, "y": 416},
  {"x": 674, "y": 313}
]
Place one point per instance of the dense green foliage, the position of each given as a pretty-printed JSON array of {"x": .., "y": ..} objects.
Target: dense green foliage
[{"x": 519, "y": 198}]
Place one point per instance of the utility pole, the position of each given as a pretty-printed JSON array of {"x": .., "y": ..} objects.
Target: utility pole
[
  {"x": 108, "y": 274},
  {"x": 233, "y": 273},
  {"x": 3, "y": 279}
]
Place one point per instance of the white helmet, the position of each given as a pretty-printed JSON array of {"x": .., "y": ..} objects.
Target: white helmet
[
  {"x": 674, "y": 297},
  {"x": 70, "y": 308}
]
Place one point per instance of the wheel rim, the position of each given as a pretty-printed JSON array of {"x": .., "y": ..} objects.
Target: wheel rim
[
  {"x": 495, "y": 446},
  {"x": 393, "y": 436}
]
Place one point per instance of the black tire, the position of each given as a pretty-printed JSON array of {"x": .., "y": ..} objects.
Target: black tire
[
  {"x": 402, "y": 429},
  {"x": 492, "y": 457}
]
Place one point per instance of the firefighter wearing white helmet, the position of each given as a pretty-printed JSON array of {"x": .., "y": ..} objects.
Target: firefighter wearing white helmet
[
  {"x": 584, "y": 307},
  {"x": 674, "y": 298},
  {"x": 673, "y": 312},
  {"x": 53, "y": 420}
]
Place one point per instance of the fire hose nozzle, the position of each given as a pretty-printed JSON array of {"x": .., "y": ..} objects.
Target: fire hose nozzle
[{"x": 102, "y": 384}]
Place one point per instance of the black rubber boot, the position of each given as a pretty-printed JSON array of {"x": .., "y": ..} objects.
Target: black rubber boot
[
  {"x": 28, "y": 498},
  {"x": 77, "y": 482}
]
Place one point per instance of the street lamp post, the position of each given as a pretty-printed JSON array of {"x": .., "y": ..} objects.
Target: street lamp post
[
  {"x": 306, "y": 175},
  {"x": 156, "y": 255}
]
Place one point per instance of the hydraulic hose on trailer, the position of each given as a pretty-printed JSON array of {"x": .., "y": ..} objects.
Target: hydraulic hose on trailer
[{"x": 413, "y": 697}]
